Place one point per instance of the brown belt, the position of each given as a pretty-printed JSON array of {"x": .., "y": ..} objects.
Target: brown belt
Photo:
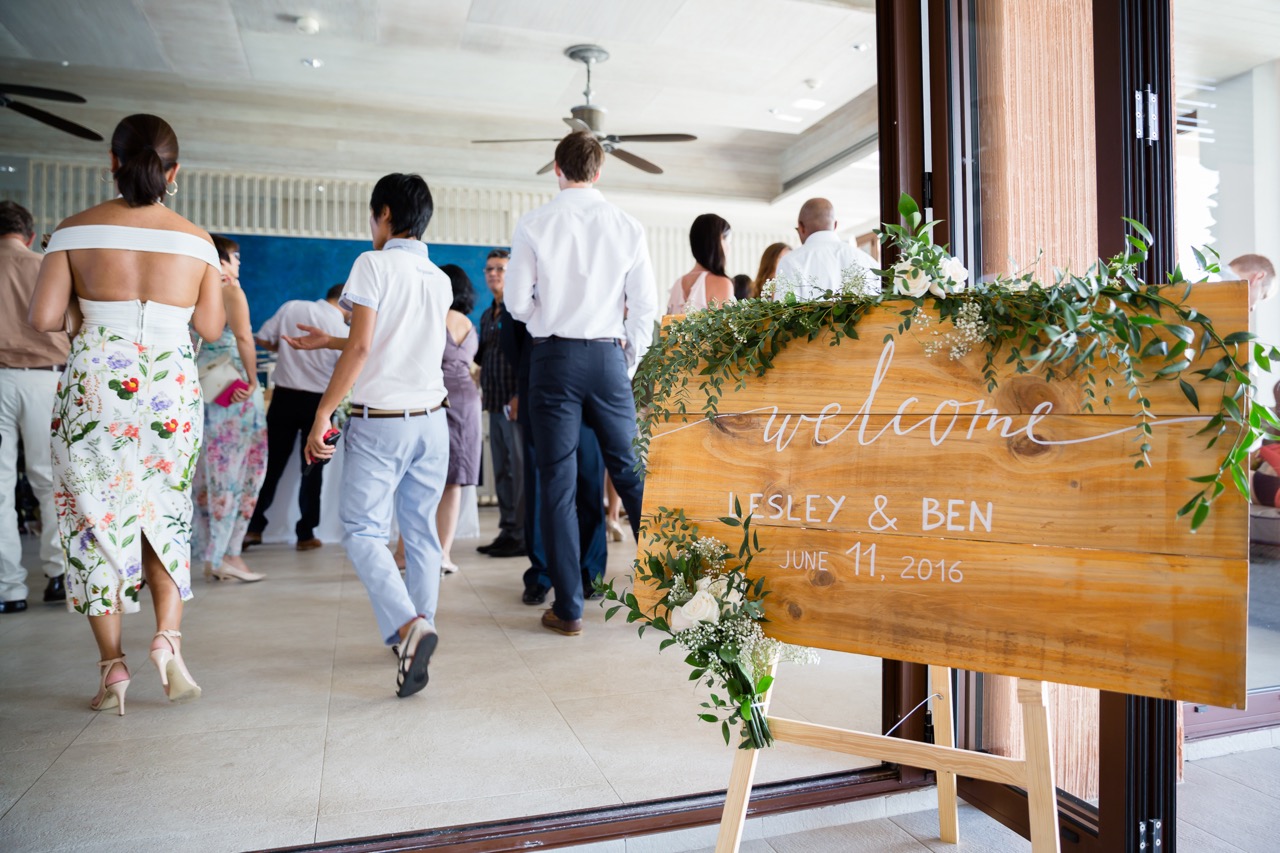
[{"x": 361, "y": 411}]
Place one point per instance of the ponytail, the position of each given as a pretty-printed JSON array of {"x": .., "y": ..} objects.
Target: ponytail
[{"x": 146, "y": 148}]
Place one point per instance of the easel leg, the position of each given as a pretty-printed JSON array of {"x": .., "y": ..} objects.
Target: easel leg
[
  {"x": 944, "y": 735},
  {"x": 1042, "y": 794},
  {"x": 739, "y": 793}
]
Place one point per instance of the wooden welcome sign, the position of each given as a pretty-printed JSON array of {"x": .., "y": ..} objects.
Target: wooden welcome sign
[{"x": 907, "y": 512}]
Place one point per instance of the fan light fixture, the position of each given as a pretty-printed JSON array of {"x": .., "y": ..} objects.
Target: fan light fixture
[{"x": 307, "y": 25}]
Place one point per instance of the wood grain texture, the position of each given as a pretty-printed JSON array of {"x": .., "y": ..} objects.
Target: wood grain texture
[{"x": 1040, "y": 493}]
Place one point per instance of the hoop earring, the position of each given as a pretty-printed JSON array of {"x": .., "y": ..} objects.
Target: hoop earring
[
  {"x": 104, "y": 175},
  {"x": 171, "y": 189}
]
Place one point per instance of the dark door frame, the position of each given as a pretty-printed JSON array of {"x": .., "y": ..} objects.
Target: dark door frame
[{"x": 1132, "y": 50}]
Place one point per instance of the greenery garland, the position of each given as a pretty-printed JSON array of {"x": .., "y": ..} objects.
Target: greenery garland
[{"x": 1104, "y": 324}]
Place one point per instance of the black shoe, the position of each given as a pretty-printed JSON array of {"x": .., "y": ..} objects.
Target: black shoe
[
  {"x": 535, "y": 595},
  {"x": 13, "y": 606},
  {"x": 503, "y": 541},
  {"x": 56, "y": 590},
  {"x": 508, "y": 549}
]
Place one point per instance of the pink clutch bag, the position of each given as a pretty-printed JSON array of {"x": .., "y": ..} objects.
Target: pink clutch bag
[{"x": 224, "y": 399}]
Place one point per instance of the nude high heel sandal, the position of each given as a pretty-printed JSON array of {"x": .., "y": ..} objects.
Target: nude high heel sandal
[
  {"x": 178, "y": 684},
  {"x": 228, "y": 572},
  {"x": 111, "y": 695}
]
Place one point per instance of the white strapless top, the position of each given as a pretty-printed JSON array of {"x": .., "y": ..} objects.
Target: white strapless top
[
  {"x": 147, "y": 323},
  {"x": 130, "y": 239}
]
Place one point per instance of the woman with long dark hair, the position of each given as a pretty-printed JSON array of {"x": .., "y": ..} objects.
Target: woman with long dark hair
[
  {"x": 706, "y": 284},
  {"x": 127, "y": 420}
]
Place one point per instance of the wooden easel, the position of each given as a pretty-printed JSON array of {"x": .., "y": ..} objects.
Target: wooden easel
[{"x": 1034, "y": 773}]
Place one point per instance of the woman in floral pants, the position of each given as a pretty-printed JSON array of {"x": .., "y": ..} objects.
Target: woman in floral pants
[{"x": 233, "y": 462}]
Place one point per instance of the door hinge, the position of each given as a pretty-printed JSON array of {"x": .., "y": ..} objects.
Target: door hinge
[
  {"x": 1146, "y": 115},
  {"x": 927, "y": 191},
  {"x": 1151, "y": 835}
]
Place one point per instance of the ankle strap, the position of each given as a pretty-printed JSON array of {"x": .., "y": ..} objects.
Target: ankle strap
[
  {"x": 112, "y": 662},
  {"x": 177, "y": 634}
]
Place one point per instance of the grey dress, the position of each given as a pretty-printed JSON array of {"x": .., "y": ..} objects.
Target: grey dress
[{"x": 464, "y": 410}]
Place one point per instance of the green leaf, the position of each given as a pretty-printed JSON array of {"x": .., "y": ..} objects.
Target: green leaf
[
  {"x": 907, "y": 206},
  {"x": 1190, "y": 393}
]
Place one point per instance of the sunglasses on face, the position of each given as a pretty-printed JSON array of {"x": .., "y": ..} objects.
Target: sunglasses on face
[{"x": 495, "y": 269}]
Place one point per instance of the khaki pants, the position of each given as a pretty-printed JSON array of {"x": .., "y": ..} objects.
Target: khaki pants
[{"x": 26, "y": 407}]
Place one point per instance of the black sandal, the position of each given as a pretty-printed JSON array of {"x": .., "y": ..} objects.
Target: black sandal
[{"x": 415, "y": 653}]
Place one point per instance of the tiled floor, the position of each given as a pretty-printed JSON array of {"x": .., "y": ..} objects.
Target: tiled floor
[{"x": 299, "y": 736}]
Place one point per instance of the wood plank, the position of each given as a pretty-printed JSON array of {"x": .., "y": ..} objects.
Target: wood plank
[
  {"x": 808, "y": 376},
  {"x": 1045, "y": 484},
  {"x": 944, "y": 735},
  {"x": 977, "y": 765},
  {"x": 1042, "y": 797},
  {"x": 1166, "y": 626}
]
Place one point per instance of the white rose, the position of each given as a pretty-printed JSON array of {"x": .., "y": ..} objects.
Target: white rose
[
  {"x": 702, "y": 584},
  {"x": 703, "y": 607},
  {"x": 733, "y": 597},
  {"x": 954, "y": 270},
  {"x": 939, "y": 288},
  {"x": 718, "y": 587},
  {"x": 909, "y": 280}
]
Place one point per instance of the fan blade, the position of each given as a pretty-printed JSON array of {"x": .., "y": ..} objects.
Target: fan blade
[
  {"x": 638, "y": 162},
  {"x": 45, "y": 94},
  {"x": 656, "y": 137},
  {"x": 53, "y": 121},
  {"x": 578, "y": 124},
  {"x": 487, "y": 141},
  {"x": 547, "y": 168}
]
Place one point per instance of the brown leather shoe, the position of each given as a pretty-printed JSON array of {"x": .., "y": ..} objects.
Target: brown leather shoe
[
  {"x": 309, "y": 544},
  {"x": 251, "y": 538},
  {"x": 568, "y": 627}
]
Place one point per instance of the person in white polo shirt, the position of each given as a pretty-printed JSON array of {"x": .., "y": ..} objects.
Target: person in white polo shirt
[
  {"x": 824, "y": 260},
  {"x": 300, "y": 378},
  {"x": 397, "y": 441}
]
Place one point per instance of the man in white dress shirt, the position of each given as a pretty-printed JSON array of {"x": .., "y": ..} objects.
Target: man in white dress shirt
[
  {"x": 300, "y": 378},
  {"x": 580, "y": 278},
  {"x": 824, "y": 261}
]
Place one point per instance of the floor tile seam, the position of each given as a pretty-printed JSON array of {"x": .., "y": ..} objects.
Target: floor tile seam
[
  {"x": 56, "y": 759},
  {"x": 344, "y": 579},
  {"x": 1212, "y": 834},
  {"x": 586, "y": 751},
  {"x": 1235, "y": 781},
  {"x": 605, "y": 784}
]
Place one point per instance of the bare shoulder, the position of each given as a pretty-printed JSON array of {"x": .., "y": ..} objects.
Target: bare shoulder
[
  {"x": 99, "y": 214},
  {"x": 176, "y": 222}
]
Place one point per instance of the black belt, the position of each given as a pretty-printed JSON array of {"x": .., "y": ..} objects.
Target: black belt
[
  {"x": 360, "y": 411},
  {"x": 537, "y": 341},
  {"x": 56, "y": 368}
]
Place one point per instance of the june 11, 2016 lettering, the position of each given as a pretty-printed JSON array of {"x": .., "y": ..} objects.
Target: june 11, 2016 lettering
[{"x": 865, "y": 565}]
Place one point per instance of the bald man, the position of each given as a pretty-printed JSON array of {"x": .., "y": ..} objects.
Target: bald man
[
  {"x": 820, "y": 263},
  {"x": 1259, "y": 273}
]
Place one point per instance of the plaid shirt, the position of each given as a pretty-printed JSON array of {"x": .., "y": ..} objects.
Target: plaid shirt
[{"x": 497, "y": 376}]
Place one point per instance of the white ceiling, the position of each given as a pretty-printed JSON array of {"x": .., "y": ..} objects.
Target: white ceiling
[{"x": 406, "y": 84}]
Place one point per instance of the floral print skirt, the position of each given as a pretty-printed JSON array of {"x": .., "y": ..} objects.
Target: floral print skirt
[
  {"x": 228, "y": 476},
  {"x": 126, "y": 435}
]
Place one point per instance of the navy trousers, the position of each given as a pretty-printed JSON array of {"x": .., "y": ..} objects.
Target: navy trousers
[
  {"x": 592, "y": 535},
  {"x": 573, "y": 383}
]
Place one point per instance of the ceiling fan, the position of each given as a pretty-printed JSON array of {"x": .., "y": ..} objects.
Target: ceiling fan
[
  {"x": 590, "y": 117},
  {"x": 6, "y": 90}
]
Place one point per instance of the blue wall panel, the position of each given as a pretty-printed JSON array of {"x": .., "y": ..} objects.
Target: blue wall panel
[{"x": 274, "y": 270}]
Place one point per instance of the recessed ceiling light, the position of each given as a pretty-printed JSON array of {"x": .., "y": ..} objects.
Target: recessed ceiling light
[
  {"x": 781, "y": 116},
  {"x": 861, "y": 46},
  {"x": 808, "y": 104},
  {"x": 312, "y": 62}
]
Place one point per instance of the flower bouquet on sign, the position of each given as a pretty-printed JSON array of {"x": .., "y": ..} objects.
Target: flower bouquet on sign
[{"x": 708, "y": 604}]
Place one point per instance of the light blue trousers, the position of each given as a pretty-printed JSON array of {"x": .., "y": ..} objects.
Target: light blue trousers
[{"x": 395, "y": 465}]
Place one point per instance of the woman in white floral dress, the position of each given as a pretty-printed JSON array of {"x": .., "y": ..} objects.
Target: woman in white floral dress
[{"x": 127, "y": 422}]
